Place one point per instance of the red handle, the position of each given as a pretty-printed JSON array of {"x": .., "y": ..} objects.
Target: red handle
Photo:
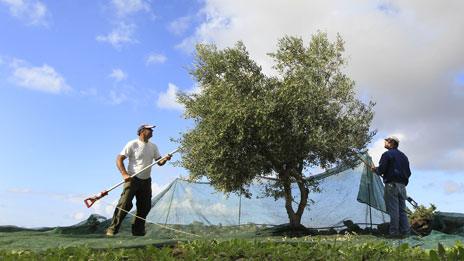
[{"x": 89, "y": 201}]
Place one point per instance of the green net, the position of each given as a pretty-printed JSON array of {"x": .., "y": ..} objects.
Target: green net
[
  {"x": 194, "y": 210},
  {"x": 345, "y": 194},
  {"x": 448, "y": 222}
]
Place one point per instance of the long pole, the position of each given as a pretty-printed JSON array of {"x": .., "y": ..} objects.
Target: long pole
[
  {"x": 89, "y": 201},
  {"x": 369, "y": 185},
  {"x": 369, "y": 188},
  {"x": 239, "y": 208},
  {"x": 170, "y": 203}
]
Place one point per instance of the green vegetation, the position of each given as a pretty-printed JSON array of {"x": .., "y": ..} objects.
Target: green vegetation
[
  {"x": 338, "y": 248},
  {"x": 248, "y": 124},
  {"x": 200, "y": 241},
  {"x": 421, "y": 219},
  {"x": 422, "y": 212}
]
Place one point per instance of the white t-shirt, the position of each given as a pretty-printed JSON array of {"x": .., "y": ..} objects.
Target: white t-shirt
[{"x": 140, "y": 155}]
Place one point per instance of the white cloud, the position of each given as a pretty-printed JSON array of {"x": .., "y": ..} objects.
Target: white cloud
[
  {"x": 79, "y": 216},
  {"x": 43, "y": 78},
  {"x": 156, "y": 188},
  {"x": 32, "y": 12},
  {"x": 167, "y": 100},
  {"x": 155, "y": 58},
  {"x": 188, "y": 44},
  {"x": 404, "y": 55},
  {"x": 376, "y": 150},
  {"x": 122, "y": 34},
  {"x": 453, "y": 159},
  {"x": 124, "y": 92},
  {"x": 117, "y": 97},
  {"x": 180, "y": 25},
  {"x": 118, "y": 75},
  {"x": 219, "y": 209},
  {"x": 129, "y": 7},
  {"x": 70, "y": 198},
  {"x": 188, "y": 203},
  {"x": 451, "y": 187},
  {"x": 215, "y": 23}
]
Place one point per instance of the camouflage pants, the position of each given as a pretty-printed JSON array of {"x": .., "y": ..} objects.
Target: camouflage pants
[{"x": 141, "y": 190}]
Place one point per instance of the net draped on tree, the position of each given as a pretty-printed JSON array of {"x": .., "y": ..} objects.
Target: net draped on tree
[{"x": 345, "y": 194}]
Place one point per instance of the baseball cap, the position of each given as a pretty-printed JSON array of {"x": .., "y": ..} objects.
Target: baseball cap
[
  {"x": 393, "y": 138},
  {"x": 144, "y": 126}
]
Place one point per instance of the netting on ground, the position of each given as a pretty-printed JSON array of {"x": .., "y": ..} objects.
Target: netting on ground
[
  {"x": 346, "y": 194},
  {"x": 188, "y": 211}
]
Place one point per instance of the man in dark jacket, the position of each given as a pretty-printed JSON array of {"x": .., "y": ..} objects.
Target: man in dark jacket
[{"x": 394, "y": 169}]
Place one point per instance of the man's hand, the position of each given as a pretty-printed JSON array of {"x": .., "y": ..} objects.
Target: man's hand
[
  {"x": 120, "y": 164},
  {"x": 164, "y": 160},
  {"x": 126, "y": 176},
  {"x": 374, "y": 169}
]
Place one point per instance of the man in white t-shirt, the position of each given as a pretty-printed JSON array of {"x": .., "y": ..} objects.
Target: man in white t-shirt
[{"x": 140, "y": 153}]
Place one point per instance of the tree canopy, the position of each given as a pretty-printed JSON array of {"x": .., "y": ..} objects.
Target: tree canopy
[{"x": 248, "y": 124}]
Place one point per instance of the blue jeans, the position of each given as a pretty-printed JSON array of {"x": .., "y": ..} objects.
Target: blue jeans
[{"x": 395, "y": 200}]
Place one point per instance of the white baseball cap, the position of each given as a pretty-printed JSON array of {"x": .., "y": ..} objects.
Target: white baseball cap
[
  {"x": 393, "y": 138},
  {"x": 144, "y": 126}
]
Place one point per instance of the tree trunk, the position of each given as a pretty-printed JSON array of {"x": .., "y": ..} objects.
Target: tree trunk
[
  {"x": 295, "y": 217},
  {"x": 295, "y": 220}
]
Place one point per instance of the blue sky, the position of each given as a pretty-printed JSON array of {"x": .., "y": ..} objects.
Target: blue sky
[{"x": 78, "y": 77}]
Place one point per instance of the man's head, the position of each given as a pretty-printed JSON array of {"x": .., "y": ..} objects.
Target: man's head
[
  {"x": 145, "y": 130},
  {"x": 392, "y": 142}
]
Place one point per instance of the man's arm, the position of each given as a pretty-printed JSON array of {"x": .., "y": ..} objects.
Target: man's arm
[
  {"x": 120, "y": 164},
  {"x": 383, "y": 165},
  {"x": 408, "y": 170}
]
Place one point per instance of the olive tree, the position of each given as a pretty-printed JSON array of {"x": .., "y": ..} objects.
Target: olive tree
[{"x": 249, "y": 125}]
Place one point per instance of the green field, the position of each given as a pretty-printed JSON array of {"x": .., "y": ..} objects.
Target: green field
[
  {"x": 197, "y": 241},
  {"x": 232, "y": 244}
]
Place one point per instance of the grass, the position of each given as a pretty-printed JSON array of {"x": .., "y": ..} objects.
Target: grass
[
  {"x": 249, "y": 249},
  {"x": 250, "y": 242}
]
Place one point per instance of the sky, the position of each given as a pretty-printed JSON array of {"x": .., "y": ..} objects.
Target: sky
[{"x": 77, "y": 78}]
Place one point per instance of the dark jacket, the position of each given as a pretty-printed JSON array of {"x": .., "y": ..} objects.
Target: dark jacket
[{"x": 394, "y": 167}]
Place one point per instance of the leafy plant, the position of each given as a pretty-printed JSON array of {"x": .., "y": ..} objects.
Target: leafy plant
[
  {"x": 249, "y": 125},
  {"x": 422, "y": 213},
  {"x": 314, "y": 249},
  {"x": 421, "y": 219}
]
